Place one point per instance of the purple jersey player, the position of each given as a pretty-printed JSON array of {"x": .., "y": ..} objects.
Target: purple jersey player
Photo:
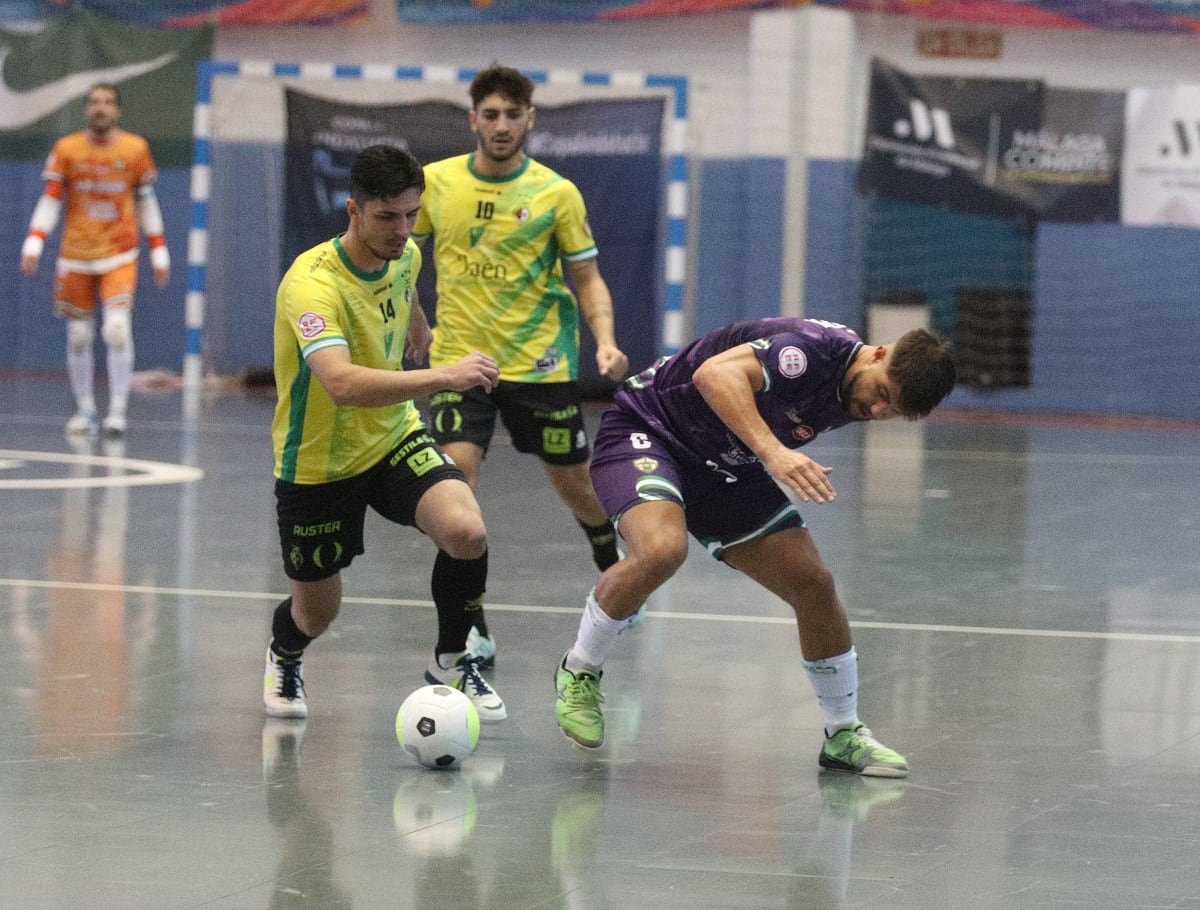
[{"x": 718, "y": 428}]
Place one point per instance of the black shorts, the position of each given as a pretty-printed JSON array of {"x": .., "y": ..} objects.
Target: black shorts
[
  {"x": 543, "y": 419},
  {"x": 321, "y": 525}
]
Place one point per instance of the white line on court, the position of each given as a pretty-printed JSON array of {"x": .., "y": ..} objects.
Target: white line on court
[
  {"x": 136, "y": 472},
  {"x": 656, "y": 614}
]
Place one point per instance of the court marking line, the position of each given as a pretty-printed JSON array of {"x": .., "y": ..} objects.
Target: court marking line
[
  {"x": 147, "y": 473},
  {"x": 216, "y": 594}
]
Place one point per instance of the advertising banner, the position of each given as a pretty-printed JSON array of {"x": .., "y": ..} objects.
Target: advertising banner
[
  {"x": 45, "y": 77},
  {"x": 1069, "y": 169},
  {"x": 1160, "y": 172},
  {"x": 610, "y": 149},
  {"x": 937, "y": 140}
]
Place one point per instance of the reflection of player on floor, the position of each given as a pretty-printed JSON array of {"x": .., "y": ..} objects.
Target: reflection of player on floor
[
  {"x": 107, "y": 178},
  {"x": 717, "y": 428},
  {"x": 502, "y": 223}
]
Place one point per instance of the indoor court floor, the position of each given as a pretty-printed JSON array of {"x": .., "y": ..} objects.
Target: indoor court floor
[{"x": 1025, "y": 595}]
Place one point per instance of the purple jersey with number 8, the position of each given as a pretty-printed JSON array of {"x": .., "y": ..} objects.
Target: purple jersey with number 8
[{"x": 804, "y": 362}]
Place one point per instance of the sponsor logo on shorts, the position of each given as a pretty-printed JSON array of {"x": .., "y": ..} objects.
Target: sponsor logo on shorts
[
  {"x": 792, "y": 362},
  {"x": 646, "y": 465},
  {"x": 556, "y": 440},
  {"x": 424, "y": 461},
  {"x": 311, "y": 325}
]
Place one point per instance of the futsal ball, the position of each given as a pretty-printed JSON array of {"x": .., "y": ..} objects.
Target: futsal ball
[{"x": 438, "y": 726}]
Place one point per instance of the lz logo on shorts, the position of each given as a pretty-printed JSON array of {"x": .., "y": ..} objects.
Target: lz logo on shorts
[
  {"x": 925, "y": 123},
  {"x": 424, "y": 460},
  {"x": 556, "y": 440}
]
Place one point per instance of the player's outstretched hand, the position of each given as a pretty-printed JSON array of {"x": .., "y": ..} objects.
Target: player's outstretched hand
[
  {"x": 475, "y": 369},
  {"x": 802, "y": 479}
]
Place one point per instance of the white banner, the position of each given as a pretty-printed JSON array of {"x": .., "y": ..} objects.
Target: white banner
[{"x": 1160, "y": 172}]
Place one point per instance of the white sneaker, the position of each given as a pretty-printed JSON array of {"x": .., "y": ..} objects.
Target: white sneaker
[
  {"x": 82, "y": 424},
  {"x": 283, "y": 687},
  {"x": 464, "y": 675},
  {"x": 483, "y": 647},
  {"x": 114, "y": 425}
]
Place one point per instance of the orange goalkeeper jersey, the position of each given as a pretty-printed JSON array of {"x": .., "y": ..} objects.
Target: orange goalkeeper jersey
[{"x": 100, "y": 182}]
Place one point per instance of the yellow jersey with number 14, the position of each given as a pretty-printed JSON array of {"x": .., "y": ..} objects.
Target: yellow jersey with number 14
[
  {"x": 498, "y": 243},
  {"x": 325, "y": 300}
]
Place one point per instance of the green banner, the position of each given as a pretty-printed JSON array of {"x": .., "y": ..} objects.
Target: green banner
[{"x": 45, "y": 77}]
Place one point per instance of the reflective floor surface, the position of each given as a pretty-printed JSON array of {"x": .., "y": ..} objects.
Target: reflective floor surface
[{"x": 1026, "y": 604}]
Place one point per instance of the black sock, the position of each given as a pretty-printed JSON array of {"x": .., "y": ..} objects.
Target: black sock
[
  {"x": 288, "y": 641},
  {"x": 603, "y": 539},
  {"x": 458, "y": 586}
]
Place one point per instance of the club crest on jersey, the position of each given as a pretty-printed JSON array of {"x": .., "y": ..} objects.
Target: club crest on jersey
[
  {"x": 803, "y": 433},
  {"x": 311, "y": 325},
  {"x": 522, "y": 214},
  {"x": 792, "y": 362},
  {"x": 646, "y": 465}
]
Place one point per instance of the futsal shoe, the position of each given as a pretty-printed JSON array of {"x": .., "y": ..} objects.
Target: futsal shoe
[
  {"x": 857, "y": 751},
  {"x": 463, "y": 674},
  {"x": 483, "y": 647},
  {"x": 114, "y": 425},
  {"x": 577, "y": 706},
  {"x": 83, "y": 423},
  {"x": 283, "y": 687}
]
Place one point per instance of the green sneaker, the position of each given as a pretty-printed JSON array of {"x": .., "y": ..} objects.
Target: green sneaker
[
  {"x": 578, "y": 706},
  {"x": 856, "y": 750}
]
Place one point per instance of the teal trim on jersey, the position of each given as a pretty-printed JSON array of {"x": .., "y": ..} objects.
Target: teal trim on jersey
[
  {"x": 295, "y": 433},
  {"x": 507, "y": 177},
  {"x": 355, "y": 270}
]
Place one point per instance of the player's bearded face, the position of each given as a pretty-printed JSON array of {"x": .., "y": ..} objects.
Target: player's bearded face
[
  {"x": 383, "y": 225},
  {"x": 102, "y": 110},
  {"x": 502, "y": 126}
]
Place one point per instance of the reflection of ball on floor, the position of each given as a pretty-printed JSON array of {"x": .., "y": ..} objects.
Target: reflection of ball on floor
[
  {"x": 434, "y": 813},
  {"x": 438, "y": 726}
]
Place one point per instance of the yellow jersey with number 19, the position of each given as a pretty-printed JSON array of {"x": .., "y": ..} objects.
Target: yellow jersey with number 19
[
  {"x": 498, "y": 245},
  {"x": 325, "y": 300}
]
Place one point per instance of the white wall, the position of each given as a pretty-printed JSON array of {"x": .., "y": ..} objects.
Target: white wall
[{"x": 711, "y": 50}]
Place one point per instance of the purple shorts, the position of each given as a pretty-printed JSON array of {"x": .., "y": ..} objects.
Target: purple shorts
[{"x": 723, "y": 506}]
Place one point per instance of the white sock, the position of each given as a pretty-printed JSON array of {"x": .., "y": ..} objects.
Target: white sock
[
  {"x": 120, "y": 376},
  {"x": 835, "y": 682},
  {"x": 80, "y": 370},
  {"x": 597, "y": 634}
]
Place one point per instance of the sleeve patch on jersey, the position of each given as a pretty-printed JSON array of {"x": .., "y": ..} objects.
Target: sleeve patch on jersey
[
  {"x": 792, "y": 362},
  {"x": 311, "y": 325}
]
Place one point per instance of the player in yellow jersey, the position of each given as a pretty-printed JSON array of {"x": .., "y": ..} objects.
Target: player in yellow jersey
[
  {"x": 347, "y": 435},
  {"x": 502, "y": 225},
  {"x": 106, "y": 178}
]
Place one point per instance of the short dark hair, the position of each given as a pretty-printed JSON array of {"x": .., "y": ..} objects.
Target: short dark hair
[
  {"x": 108, "y": 87},
  {"x": 382, "y": 171},
  {"x": 511, "y": 83},
  {"x": 923, "y": 366}
]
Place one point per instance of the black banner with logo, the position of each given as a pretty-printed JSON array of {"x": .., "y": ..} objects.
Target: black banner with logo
[
  {"x": 993, "y": 146},
  {"x": 1070, "y": 168}
]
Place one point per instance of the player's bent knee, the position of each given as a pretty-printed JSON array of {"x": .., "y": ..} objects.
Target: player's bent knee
[
  {"x": 465, "y": 541},
  {"x": 116, "y": 330},
  {"x": 80, "y": 335}
]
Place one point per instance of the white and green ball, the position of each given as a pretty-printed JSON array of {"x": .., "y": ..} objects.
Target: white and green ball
[{"x": 438, "y": 726}]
